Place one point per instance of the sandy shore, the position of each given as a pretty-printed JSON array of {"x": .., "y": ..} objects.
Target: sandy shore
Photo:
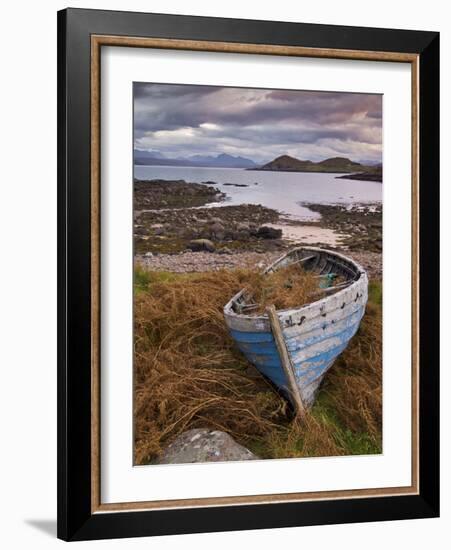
[{"x": 309, "y": 234}]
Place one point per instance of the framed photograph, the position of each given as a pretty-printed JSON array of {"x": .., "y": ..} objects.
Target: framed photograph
[{"x": 248, "y": 274}]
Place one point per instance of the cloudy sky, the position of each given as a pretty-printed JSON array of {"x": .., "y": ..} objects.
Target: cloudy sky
[{"x": 181, "y": 120}]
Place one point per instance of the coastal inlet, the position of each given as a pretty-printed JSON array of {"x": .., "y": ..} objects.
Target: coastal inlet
[{"x": 176, "y": 217}]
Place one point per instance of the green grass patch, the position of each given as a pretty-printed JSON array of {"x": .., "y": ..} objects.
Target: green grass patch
[{"x": 375, "y": 293}]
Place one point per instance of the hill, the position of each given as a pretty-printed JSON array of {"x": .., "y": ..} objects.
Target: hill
[{"x": 285, "y": 163}]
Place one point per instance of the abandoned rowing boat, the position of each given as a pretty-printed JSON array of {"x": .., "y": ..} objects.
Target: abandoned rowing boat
[{"x": 311, "y": 336}]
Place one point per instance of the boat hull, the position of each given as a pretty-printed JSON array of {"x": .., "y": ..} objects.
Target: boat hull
[{"x": 314, "y": 336}]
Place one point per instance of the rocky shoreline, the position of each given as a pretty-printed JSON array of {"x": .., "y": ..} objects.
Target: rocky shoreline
[
  {"x": 359, "y": 225},
  {"x": 178, "y": 227},
  {"x": 170, "y": 217},
  {"x": 197, "y": 262}
]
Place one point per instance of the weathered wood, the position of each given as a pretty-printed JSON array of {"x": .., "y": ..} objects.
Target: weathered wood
[
  {"x": 336, "y": 287},
  {"x": 285, "y": 360},
  {"x": 250, "y": 306},
  {"x": 319, "y": 329},
  {"x": 303, "y": 260},
  {"x": 295, "y": 262}
]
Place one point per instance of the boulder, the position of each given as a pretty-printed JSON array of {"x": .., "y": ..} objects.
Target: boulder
[
  {"x": 203, "y": 445},
  {"x": 266, "y": 232},
  {"x": 217, "y": 231},
  {"x": 241, "y": 226},
  {"x": 242, "y": 232},
  {"x": 199, "y": 245},
  {"x": 217, "y": 227}
]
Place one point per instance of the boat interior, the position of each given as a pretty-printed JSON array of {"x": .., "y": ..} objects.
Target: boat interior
[{"x": 334, "y": 273}]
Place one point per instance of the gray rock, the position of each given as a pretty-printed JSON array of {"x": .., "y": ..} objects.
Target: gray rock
[
  {"x": 217, "y": 231},
  {"x": 203, "y": 445},
  {"x": 216, "y": 227},
  {"x": 242, "y": 232},
  {"x": 241, "y": 226},
  {"x": 198, "y": 245},
  {"x": 237, "y": 184},
  {"x": 266, "y": 232}
]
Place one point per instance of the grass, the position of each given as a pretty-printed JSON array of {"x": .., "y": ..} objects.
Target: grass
[
  {"x": 283, "y": 288},
  {"x": 189, "y": 374}
]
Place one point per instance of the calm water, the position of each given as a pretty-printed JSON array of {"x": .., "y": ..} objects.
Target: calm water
[{"x": 283, "y": 191}]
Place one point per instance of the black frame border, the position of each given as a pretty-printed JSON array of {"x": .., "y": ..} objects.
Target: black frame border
[{"x": 75, "y": 520}]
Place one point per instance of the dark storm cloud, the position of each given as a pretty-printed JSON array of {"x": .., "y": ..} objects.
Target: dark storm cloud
[
  {"x": 145, "y": 89},
  {"x": 179, "y": 120}
]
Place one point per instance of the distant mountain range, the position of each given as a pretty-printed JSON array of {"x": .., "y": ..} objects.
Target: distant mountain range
[
  {"x": 285, "y": 163},
  {"x": 223, "y": 160}
]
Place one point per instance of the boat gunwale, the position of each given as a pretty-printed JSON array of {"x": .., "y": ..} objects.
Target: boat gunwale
[{"x": 361, "y": 272}]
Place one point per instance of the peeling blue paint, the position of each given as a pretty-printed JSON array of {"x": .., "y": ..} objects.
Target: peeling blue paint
[{"x": 260, "y": 349}]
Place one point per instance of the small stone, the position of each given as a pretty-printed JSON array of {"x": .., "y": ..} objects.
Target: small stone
[
  {"x": 266, "y": 232},
  {"x": 199, "y": 245}
]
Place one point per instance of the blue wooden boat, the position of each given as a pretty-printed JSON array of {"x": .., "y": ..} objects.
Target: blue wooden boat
[{"x": 313, "y": 334}]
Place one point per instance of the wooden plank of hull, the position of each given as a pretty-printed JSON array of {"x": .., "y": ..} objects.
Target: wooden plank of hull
[
  {"x": 309, "y": 317},
  {"x": 335, "y": 339},
  {"x": 310, "y": 365},
  {"x": 299, "y": 339},
  {"x": 286, "y": 362},
  {"x": 309, "y": 369},
  {"x": 322, "y": 331},
  {"x": 309, "y": 390}
]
